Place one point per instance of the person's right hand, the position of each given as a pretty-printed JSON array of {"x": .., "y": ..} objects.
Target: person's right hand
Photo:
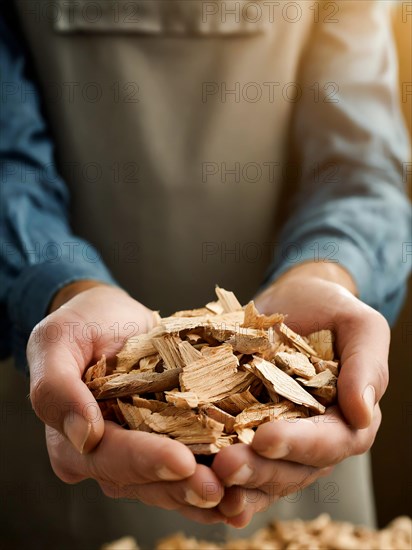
[{"x": 127, "y": 464}]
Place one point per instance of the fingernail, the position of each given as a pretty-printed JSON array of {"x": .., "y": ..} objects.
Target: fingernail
[
  {"x": 194, "y": 499},
  {"x": 240, "y": 476},
  {"x": 168, "y": 475},
  {"x": 77, "y": 430},
  {"x": 369, "y": 399},
  {"x": 279, "y": 451}
]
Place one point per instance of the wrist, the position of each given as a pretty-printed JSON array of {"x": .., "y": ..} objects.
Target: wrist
[
  {"x": 326, "y": 271},
  {"x": 70, "y": 291}
]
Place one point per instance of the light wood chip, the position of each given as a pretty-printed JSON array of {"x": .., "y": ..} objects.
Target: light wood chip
[
  {"x": 138, "y": 382},
  {"x": 183, "y": 400},
  {"x": 199, "y": 312},
  {"x": 296, "y": 364},
  {"x": 297, "y": 340},
  {"x": 248, "y": 342},
  {"x": 259, "y": 414},
  {"x": 134, "y": 416},
  {"x": 235, "y": 403},
  {"x": 227, "y": 300},
  {"x": 215, "y": 307},
  {"x": 324, "y": 378},
  {"x": 254, "y": 319},
  {"x": 322, "y": 342},
  {"x": 149, "y": 363},
  {"x": 135, "y": 349},
  {"x": 321, "y": 365},
  {"x": 188, "y": 353},
  {"x": 96, "y": 371},
  {"x": 284, "y": 385},
  {"x": 152, "y": 404},
  {"x": 185, "y": 426},
  {"x": 168, "y": 349},
  {"x": 220, "y": 416},
  {"x": 326, "y": 394},
  {"x": 245, "y": 435}
]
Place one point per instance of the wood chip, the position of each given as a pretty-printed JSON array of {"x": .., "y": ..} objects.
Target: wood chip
[
  {"x": 134, "y": 416},
  {"x": 96, "y": 371},
  {"x": 168, "y": 349},
  {"x": 149, "y": 363},
  {"x": 296, "y": 364},
  {"x": 185, "y": 426},
  {"x": 245, "y": 435},
  {"x": 259, "y": 414},
  {"x": 152, "y": 404},
  {"x": 227, "y": 300},
  {"x": 322, "y": 342},
  {"x": 188, "y": 353},
  {"x": 321, "y": 365},
  {"x": 215, "y": 307},
  {"x": 284, "y": 385},
  {"x": 247, "y": 342},
  {"x": 220, "y": 416},
  {"x": 235, "y": 403},
  {"x": 324, "y": 378},
  {"x": 254, "y": 319},
  {"x": 135, "y": 349},
  {"x": 138, "y": 382},
  {"x": 183, "y": 400},
  {"x": 296, "y": 340}
]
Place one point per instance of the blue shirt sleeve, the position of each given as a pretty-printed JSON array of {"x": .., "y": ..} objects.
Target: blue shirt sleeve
[
  {"x": 39, "y": 253},
  {"x": 353, "y": 150}
]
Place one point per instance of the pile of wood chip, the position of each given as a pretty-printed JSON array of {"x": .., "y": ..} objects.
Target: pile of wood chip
[
  {"x": 208, "y": 377},
  {"x": 319, "y": 534}
]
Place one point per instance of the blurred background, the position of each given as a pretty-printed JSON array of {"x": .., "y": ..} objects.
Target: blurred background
[
  {"x": 21, "y": 435},
  {"x": 392, "y": 451}
]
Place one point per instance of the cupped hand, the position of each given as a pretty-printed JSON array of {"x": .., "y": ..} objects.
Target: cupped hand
[
  {"x": 288, "y": 455},
  {"x": 126, "y": 464}
]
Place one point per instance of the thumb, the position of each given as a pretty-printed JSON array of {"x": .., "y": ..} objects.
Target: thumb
[{"x": 58, "y": 395}]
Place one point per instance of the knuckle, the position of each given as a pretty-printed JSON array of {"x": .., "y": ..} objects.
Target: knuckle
[{"x": 40, "y": 392}]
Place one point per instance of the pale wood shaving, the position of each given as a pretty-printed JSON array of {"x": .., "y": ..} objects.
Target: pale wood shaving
[
  {"x": 133, "y": 350},
  {"x": 149, "y": 363},
  {"x": 134, "y": 416},
  {"x": 138, "y": 382},
  {"x": 245, "y": 435},
  {"x": 183, "y": 400},
  {"x": 96, "y": 371},
  {"x": 254, "y": 319},
  {"x": 322, "y": 342},
  {"x": 227, "y": 300},
  {"x": 152, "y": 404},
  {"x": 324, "y": 378},
  {"x": 284, "y": 385},
  {"x": 188, "y": 353},
  {"x": 235, "y": 403},
  {"x": 248, "y": 342},
  {"x": 199, "y": 312},
  {"x": 220, "y": 416},
  {"x": 296, "y": 340},
  {"x": 321, "y": 365},
  {"x": 168, "y": 349},
  {"x": 296, "y": 364},
  {"x": 215, "y": 307},
  {"x": 185, "y": 426},
  {"x": 259, "y": 414}
]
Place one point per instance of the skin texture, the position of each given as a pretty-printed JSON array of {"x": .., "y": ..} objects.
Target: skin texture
[{"x": 243, "y": 480}]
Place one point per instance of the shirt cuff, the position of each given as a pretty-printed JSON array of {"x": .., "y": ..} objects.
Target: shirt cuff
[{"x": 34, "y": 289}]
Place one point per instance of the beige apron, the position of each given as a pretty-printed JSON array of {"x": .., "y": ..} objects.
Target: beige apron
[{"x": 171, "y": 123}]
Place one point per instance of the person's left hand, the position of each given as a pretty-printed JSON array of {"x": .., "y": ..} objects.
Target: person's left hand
[{"x": 286, "y": 456}]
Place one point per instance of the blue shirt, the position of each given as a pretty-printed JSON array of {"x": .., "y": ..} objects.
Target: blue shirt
[{"x": 366, "y": 225}]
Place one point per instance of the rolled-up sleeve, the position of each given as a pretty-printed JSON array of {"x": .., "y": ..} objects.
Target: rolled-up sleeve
[
  {"x": 39, "y": 253},
  {"x": 354, "y": 154}
]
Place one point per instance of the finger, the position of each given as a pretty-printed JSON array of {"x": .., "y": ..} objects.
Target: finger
[
  {"x": 239, "y": 505},
  {"x": 124, "y": 457},
  {"x": 319, "y": 441},
  {"x": 363, "y": 345},
  {"x": 240, "y": 465},
  {"x": 201, "y": 490},
  {"x": 58, "y": 395}
]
